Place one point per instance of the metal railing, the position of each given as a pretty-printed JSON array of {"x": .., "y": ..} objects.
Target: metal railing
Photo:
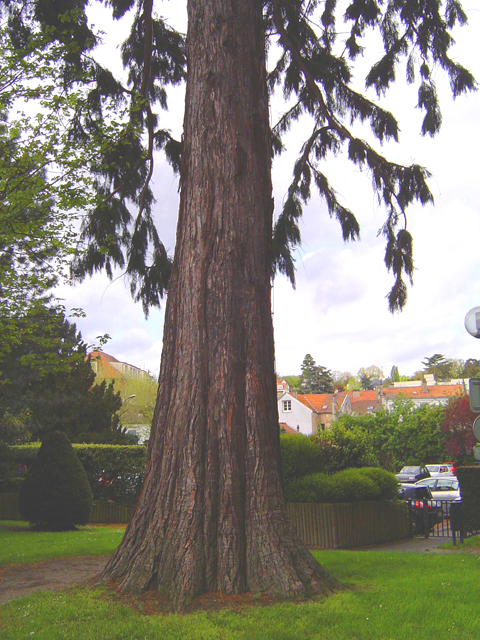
[{"x": 438, "y": 519}]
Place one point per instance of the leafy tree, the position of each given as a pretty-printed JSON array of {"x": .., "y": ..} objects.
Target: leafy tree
[
  {"x": 315, "y": 378},
  {"x": 46, "y": 383},
  {"x": 56, "y": 494},
  {"x": 351, "y": 449},
  {"x": 471, "y": 368},
  {"x": 404, "y": 435},
  {"x": 457, "y": 427},
  {"x": 43, "y": 181},
  {"x": 220, "y": 521}
]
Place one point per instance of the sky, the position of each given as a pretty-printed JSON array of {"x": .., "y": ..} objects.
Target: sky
[{"x": 338, "y": 311}]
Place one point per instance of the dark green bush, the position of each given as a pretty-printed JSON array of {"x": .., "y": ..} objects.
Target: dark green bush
[
  {"x": 56, "y": 494},
  {"x": 469, "y": 479},
  {"x": 350, "y": 485},
  {"x": 385, "y": 480}
]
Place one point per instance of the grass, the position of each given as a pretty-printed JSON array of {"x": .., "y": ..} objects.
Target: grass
[
  {"x": 393, "y": 596},
  {"x": 22, "y": 546}
]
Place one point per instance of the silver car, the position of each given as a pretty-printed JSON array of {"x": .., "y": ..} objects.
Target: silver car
[
  {"x": 442, "y": 487},
  {"x": 438, "y": 470}
]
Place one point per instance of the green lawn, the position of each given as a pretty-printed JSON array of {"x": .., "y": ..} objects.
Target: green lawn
[
  {"x": 24, "y": 546},
  {"x": 392, "y": 596}
]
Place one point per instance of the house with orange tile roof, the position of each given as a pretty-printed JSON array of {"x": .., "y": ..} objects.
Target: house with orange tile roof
[
  {"x": 312, "y": 413},
  {"x": 109, "y": 367},
  {"x": 435, "y": 394},
  {"x": 366, "y": 402}
]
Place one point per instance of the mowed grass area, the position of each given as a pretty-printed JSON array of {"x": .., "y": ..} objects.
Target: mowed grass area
[
  {"x": 390, "y": 596},
  {"x": 20, "y": 545}
]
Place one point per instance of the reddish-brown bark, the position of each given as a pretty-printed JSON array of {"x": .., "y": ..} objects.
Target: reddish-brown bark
[{"x": 211, "y": 516}]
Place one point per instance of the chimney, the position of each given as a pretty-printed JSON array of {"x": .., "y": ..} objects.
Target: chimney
[{"x": 424, "y": 387}]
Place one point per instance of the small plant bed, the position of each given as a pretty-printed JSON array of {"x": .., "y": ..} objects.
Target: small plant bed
[{"x": 19, "y": 544}]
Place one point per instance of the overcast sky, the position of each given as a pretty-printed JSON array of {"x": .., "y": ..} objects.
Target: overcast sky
[{"x": 338, "y": 312}]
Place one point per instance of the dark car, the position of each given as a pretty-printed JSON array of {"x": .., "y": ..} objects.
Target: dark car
[
  {"x": 423, "y": 509},
  {"x": 412, "y": 474}
]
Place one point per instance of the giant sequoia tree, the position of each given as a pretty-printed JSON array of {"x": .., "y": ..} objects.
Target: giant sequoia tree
[{"x": 212, "y": 514}]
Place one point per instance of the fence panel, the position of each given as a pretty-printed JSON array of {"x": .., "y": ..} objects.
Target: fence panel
[
  {"x": 102, "y": 512},
  {"x": 346, "y": 525}
]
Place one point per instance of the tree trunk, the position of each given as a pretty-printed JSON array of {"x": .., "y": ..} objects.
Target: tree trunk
[{"x": 212, "y": 515}]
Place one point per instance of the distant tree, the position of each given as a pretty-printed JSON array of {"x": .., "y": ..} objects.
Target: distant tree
[
  {"x": 471, "y": 368},
  {"x": 315, "y": 378},
  {"x": 394, "y": 374},
  {"x": 439, "y": 366},
  {"x": 366, "y": 382},
  {"x": 456, "y": 426}
]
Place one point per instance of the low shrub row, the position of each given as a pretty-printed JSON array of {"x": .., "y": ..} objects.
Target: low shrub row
[
  {"x": 114, "y": 472},
  {"x": 350, "y": 485}
]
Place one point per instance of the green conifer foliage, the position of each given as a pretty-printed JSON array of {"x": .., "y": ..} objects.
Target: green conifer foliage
[{"x": 56, "y": 494}]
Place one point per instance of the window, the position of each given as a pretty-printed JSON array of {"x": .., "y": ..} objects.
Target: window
[{"x": 287, "y": 405}]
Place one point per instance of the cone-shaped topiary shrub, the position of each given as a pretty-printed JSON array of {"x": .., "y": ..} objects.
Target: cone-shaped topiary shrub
[{"x": 56, "y": 494}]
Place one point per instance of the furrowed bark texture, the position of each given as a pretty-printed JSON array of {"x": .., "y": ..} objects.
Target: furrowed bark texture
[{"x": 211, "y": 516}]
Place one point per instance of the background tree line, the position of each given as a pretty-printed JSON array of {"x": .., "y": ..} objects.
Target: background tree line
[{"x": 316, "y": 378}]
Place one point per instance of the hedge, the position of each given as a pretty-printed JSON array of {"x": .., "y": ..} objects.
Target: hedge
[
  {"x": 115, "y": 472},
  {"x": 469, "y": 480},
  {"x": 350, "y": 485}
]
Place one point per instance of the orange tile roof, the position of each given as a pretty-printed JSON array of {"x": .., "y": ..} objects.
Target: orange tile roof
[
  {"x": 287, "y": 429},
  {"x": 104, "y": 366},
  {"x": 321, "y": 402},
  {"x": 433, "y": 391}
]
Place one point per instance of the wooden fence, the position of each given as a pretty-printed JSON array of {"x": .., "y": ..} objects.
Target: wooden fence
[
  {"x": 346, "y": 525},
  {"x": 333, "y": 526},
  {"x": 102, "y": 512}
]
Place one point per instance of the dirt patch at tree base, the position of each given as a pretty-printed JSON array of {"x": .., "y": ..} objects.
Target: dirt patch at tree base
[{"x": 18, "y": 581}]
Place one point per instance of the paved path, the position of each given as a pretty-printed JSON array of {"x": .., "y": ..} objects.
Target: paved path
[{"x": 410, "y": 545}]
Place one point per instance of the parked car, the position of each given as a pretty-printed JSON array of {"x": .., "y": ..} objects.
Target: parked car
[
  {"x": 452, "y": 466},
  {"x": 438, "y": 469},
  {"x": 443, "y": 489},
  {"x": 424, "y": 510},
  {"x": 412, "y": 474}
]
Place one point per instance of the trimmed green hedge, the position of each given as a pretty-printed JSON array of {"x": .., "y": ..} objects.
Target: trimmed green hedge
[
  {"x": 350, "y": 485},
  {"x": 56, "y": 493},
  {"x": 469, "y": 479},
  {"x": 114, "y": 472}
]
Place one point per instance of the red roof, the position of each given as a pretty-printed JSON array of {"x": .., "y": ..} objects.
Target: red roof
[
  {"x": 322, "y": 402},
  {"x": 287, "y": 429},
  {"x": 428, "y": 393}
]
